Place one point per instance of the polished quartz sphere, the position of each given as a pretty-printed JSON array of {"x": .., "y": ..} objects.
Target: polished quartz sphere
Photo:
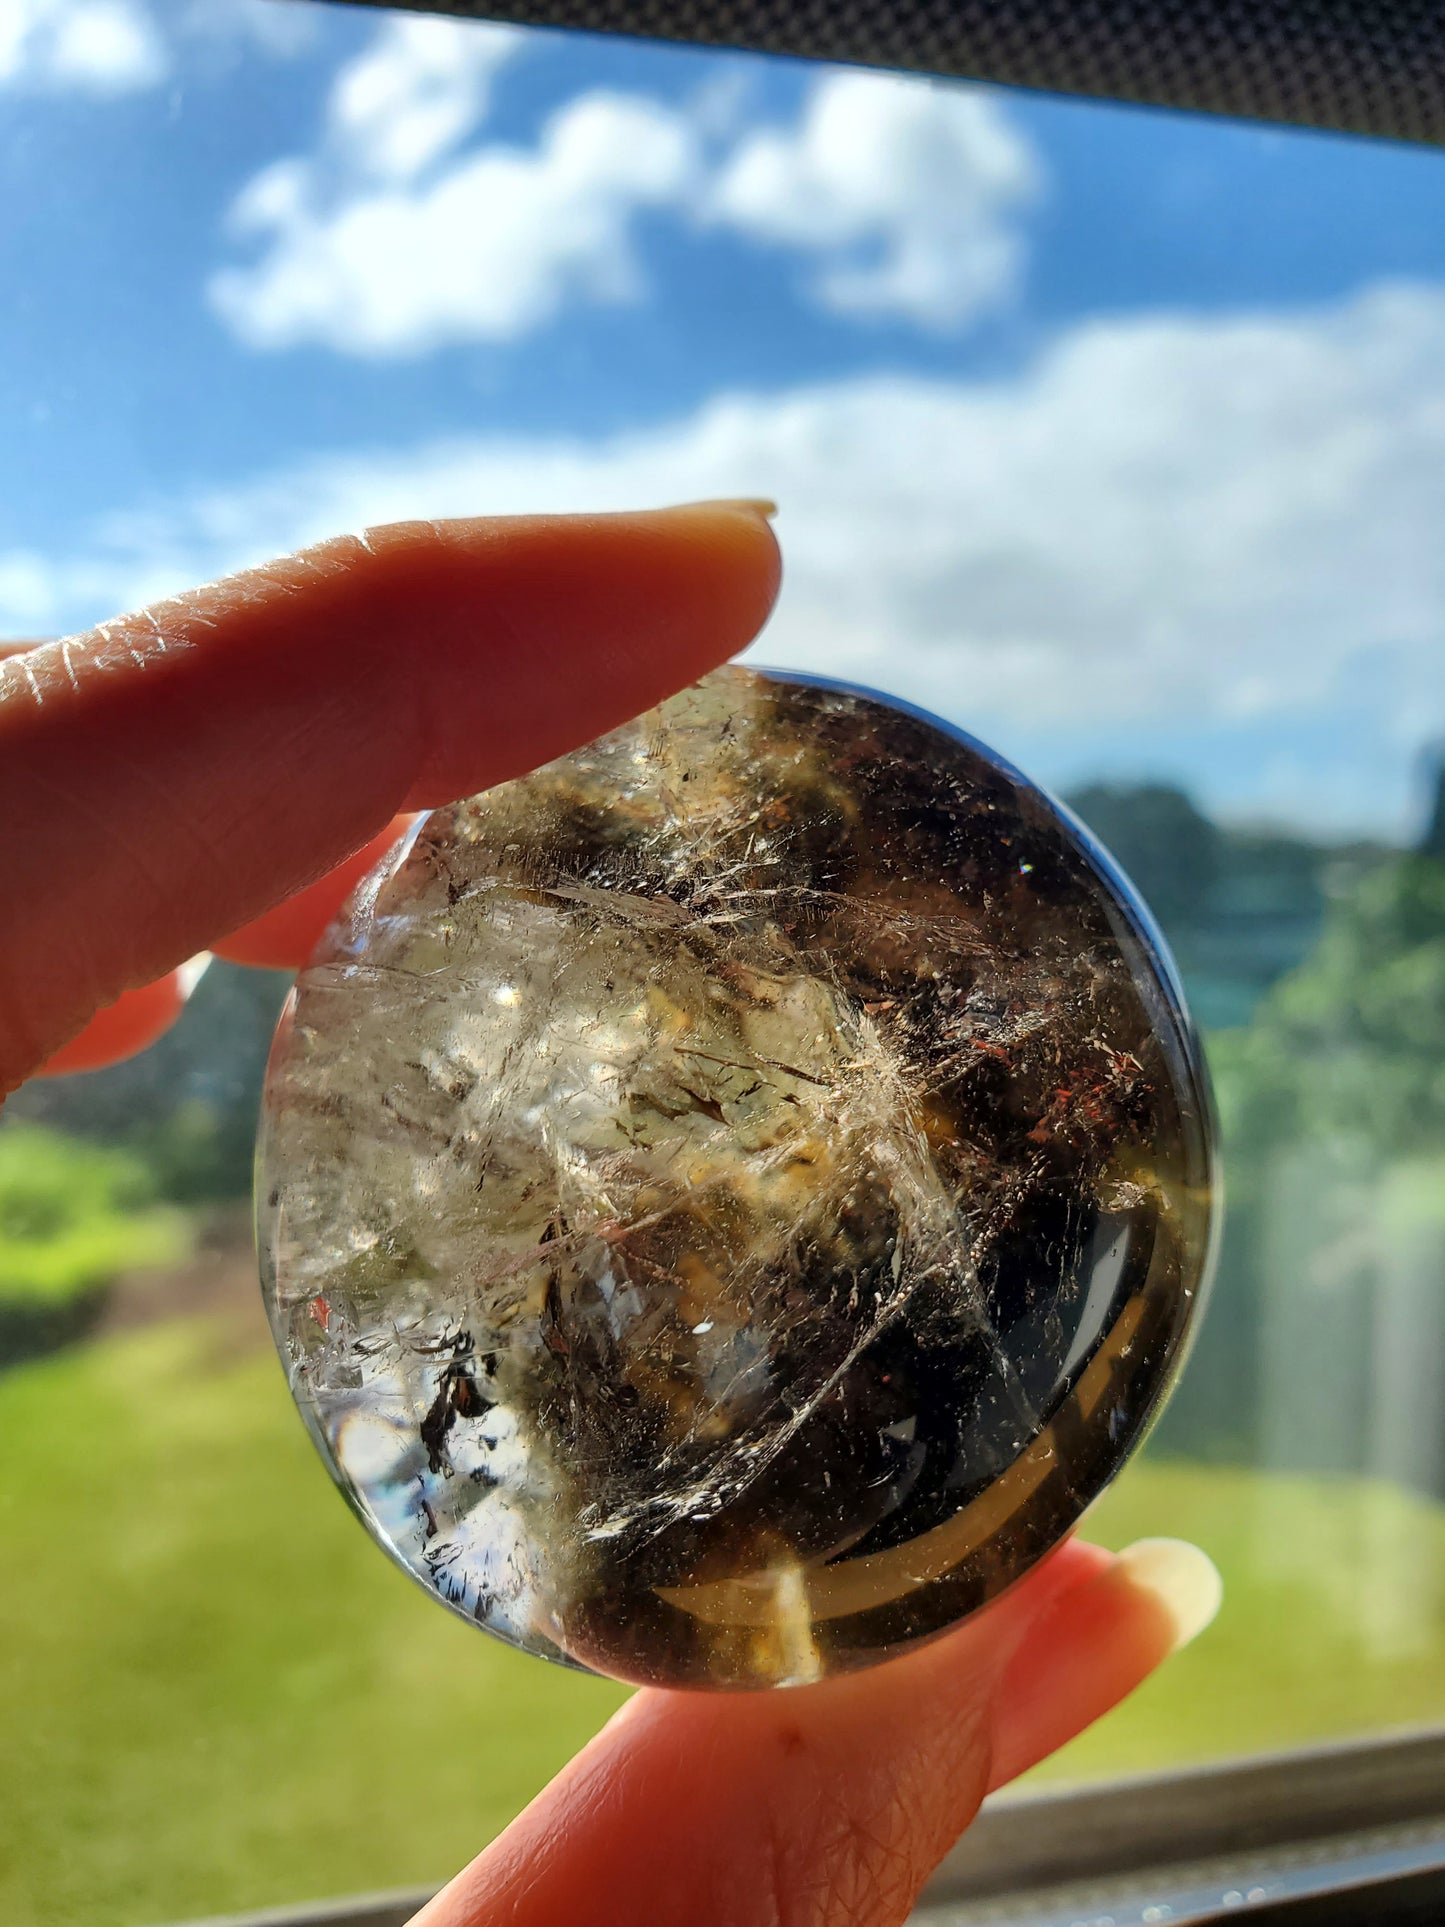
[{"x": 730, "y": 1200}]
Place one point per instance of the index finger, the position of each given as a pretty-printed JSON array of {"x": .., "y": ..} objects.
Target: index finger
[{"x": 173, "y": 774}]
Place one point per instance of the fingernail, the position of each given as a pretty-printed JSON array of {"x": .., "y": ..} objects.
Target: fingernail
[
  {"x": 1183, "y": 1579},
  {"x": 755, "y": 504}
]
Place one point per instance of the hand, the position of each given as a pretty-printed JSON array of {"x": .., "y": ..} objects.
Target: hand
[{"x": 191, "y": 778}]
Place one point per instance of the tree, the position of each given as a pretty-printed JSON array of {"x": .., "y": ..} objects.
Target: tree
[
  {"x": 1352, "y": 1044},
  {"x": 188, "y": 1105},
  {"x": 1167, "y": 846}
]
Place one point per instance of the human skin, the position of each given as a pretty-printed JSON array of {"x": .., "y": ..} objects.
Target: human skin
[{"x": 214, "y": 773}]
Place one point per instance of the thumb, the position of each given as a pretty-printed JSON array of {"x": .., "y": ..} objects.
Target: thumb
[{"x": 830, "y": 1805}]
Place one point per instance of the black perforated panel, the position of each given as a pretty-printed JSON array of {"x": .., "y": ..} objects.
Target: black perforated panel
[{"x": 1370, "y": 66}]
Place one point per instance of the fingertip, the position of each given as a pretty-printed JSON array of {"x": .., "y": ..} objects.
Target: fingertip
[
  {"x": 739, "y": 527},
  {"x": 125, "y": 1028},
  {"x": 733, "y": 549},
  {"x": 754, "y": 513},
  {"x": 1095, "y": 1644},
  {"x": 593, "y": 620},
  {"x": 1181, "y": 1578}
]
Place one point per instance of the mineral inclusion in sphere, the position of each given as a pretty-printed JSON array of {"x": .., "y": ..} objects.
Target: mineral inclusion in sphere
[{"x": 730, "y": 1200}]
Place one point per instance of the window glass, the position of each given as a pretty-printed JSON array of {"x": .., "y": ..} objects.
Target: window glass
[{"x": 1116, "y": 437}]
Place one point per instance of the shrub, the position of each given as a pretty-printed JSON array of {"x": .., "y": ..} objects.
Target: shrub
[{"x": 73, "y": 1215}]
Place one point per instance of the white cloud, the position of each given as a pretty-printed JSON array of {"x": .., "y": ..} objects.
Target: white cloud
[
  {"x": 96, "y": 47},
  {"x": 394, "y": 236},
  {"x": 905, "y": 191},
  {"x": 1168, "y": 523},
  {"x": 420, "y": 88},
  {"x": 281, "y": 29},
  {"x": 485, "y": 250},
  {"x": 389, "y": 241},
  {"x": 113, "y": 47}
]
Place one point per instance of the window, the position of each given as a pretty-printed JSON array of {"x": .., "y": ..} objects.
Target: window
[{"x": 1114, "y": 436}]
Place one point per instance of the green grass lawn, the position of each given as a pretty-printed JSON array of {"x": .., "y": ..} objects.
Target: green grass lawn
[{"x": 218, "y": 1695}]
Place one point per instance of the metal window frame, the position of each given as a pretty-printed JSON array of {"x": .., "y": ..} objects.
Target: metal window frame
[
  {"x": 1372, "y": 67},
  {"x": 1342, "y": 1833}
]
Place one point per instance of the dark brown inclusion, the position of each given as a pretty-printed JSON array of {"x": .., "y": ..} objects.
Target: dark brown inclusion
[{"x": 736, "y": 1195}]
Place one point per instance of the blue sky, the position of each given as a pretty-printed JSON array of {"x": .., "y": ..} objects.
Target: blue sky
[{"x": 1117, "y": 437}]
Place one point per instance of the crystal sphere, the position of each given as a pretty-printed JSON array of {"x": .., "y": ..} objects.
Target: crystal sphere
[{"x": 729, "y": 1200}]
